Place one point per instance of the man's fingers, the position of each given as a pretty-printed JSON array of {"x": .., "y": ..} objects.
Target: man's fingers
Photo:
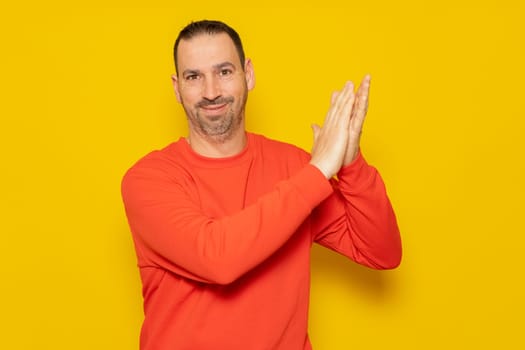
[
  {"x": 348, "y": 103},
  {"x": 361, "y": 104},
  {"x": 345, "y": 101},
  {"x": 362, "y": 95},
  {"x": 334, "y": 97}
]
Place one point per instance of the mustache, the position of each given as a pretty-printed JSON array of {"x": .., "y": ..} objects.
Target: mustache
[{"x": 217, "y": 101}]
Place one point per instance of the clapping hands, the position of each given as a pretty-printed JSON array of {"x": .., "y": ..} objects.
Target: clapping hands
[{"x": 336, "y": 143}]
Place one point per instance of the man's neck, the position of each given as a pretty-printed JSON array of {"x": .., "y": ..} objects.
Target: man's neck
[{"x": 217, "y": 148}]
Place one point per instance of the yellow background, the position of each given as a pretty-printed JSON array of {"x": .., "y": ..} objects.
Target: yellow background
[{"x": 86, "y": 92}]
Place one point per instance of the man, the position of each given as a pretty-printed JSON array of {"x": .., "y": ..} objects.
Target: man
[{"x": 223, "y": 220}]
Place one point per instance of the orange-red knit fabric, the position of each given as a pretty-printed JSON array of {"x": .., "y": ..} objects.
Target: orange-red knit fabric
[{"x": 223, "y": 245}]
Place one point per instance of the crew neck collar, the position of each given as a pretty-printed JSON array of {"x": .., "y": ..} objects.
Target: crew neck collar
[{"x": 200, "y": 160}]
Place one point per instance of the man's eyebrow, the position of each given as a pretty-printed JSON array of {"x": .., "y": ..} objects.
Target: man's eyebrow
[
  {"x": 218, "y": 66},
  {"x": 224, "y": 65}
]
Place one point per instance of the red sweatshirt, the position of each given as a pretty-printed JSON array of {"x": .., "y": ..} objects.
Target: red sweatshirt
[{"x": 223, "y": 245}]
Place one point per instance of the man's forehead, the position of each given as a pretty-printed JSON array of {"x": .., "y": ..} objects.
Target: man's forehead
[{"x": 207, "y": 48}]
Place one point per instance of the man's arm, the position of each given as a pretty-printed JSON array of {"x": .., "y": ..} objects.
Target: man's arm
[
  {"x": 171, "y": 231},
  {"x": 358, "y": 220}
]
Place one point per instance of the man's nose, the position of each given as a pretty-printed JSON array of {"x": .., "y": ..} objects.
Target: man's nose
[{"x": 211, "y": 88}]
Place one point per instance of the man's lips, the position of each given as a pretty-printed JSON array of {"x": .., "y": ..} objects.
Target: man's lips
[{"x": 214, "y": 107}]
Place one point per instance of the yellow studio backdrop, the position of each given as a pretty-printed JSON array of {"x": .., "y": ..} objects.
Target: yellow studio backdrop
[{"x": 86, "y": 92}]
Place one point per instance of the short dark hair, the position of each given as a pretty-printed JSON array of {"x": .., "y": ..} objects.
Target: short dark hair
[{"x": 208, "y": 27}]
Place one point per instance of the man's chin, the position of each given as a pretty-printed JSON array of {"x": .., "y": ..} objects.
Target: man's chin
[
  {"x": 214, "y": 117},
  {"x": 217, "y": 129}
]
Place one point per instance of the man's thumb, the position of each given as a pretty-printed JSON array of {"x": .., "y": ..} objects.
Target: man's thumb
[{"x": 316, "y": 129}]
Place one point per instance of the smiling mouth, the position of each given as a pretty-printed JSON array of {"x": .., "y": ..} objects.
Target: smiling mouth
[
  {"x": 214, "y": 107},
  {"x": 215, "y": 111}
]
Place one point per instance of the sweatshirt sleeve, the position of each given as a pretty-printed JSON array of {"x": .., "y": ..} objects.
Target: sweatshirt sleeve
[
  {"x": 171, "y": 232},
  {"x": 358, "y": 220}
]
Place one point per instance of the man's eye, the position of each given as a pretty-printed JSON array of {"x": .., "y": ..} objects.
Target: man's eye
[
  {"x": 192, "y": 77},
  {"x": 225, "y": 72}
]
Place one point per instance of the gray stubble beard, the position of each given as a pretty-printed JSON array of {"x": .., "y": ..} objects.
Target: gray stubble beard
[{"x": 222, "y": 132}]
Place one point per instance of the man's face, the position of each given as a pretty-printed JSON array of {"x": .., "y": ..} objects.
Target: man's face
[{"x": 212, "y": 85}]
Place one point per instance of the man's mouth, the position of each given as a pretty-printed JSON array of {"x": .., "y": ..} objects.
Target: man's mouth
[
  {"x": 218, "y": 103},
  {"x": 214, "y": 107}
]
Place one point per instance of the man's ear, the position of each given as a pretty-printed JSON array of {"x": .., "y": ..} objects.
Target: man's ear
[
  {"x": 175, "y": 82},
  {"x": 249, "y": 74}
]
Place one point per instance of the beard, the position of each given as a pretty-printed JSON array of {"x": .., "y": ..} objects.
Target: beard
[
  {"x": 216, "y": 125},
  {"x": 220, "y": 127}
]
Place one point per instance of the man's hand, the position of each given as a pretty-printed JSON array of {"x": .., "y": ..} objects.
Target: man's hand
[{"x": 337, "y": 143}]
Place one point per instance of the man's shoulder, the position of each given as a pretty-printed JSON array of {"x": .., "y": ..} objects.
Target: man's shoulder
[{"x": 157, "y": 159}]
